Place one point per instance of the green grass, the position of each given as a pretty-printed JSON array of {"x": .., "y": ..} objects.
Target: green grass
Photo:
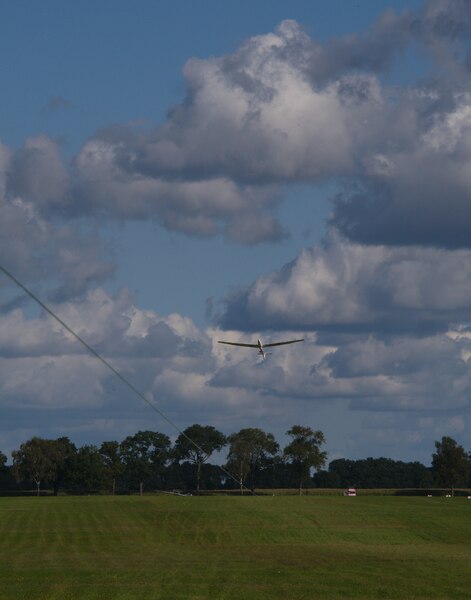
[{"x": 289, "y": 547}]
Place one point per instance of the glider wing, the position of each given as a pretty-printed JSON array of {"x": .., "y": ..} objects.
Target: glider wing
[
  {"x": 282, "y": 343},
  {"x": 237, "y": 344}
]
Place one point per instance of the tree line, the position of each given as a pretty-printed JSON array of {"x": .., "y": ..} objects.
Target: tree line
[{"x": 148, "y": 461}]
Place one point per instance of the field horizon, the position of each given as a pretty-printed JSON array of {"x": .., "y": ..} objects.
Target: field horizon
[
  {"x": 131, "y": 547},
  {"x": 314, "y": 491}
]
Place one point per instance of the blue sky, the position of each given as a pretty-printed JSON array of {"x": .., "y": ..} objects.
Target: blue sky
[{"x": 173, "y": 173}]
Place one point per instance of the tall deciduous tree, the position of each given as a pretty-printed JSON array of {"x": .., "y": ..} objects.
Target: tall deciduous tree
[
  {"x": 42, "y": 460},
  {"x": 3, "y": 470},
  {"x": 86, "y": 470},
  {"x": 144, "y": 455},
  {"x": 450, "y": 464},
  {"x": 114, "y": 466},
  {"x": 304, "y": 451},
  {"x": 248, "y": 450},
  {"x": 3, "y": 461},
  {"x": 64, "y": 451},
  {"x": 196, "y": 444}
]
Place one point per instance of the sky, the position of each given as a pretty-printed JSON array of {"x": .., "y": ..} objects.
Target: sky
[{"x": 177, "y": 173}]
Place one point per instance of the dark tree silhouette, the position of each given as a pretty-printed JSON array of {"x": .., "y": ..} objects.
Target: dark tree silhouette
[
  {"x": 41, "y": 460},
  {"x": 450, "y": 464},
  {"x": 114, "y": 466},
  {"x": 249, "y": 449},
  {"x": 144, "y": 456},
  {"x": 304, "y": 451},
  {"x": 196, "y": 444}
]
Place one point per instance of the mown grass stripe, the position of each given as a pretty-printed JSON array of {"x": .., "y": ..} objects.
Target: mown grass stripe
[{"x": 264, "y": 547}]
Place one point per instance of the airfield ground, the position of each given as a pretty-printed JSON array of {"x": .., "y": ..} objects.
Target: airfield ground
[{"x": 127, "y": 547}]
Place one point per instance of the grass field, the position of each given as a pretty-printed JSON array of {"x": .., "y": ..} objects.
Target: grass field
[{"x": 288, "y": 547}]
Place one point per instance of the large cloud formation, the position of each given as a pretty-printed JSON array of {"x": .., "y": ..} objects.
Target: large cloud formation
[
  {"x": 342, "y": 286},
  {"x": 284, "y": 108},
  {"x": 33, "y": 181},
  {"x": 112, "y": 324}
]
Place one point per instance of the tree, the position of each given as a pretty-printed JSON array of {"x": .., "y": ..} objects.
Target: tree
[
  {"x": 6, "y": 478},
  {"x": 42, "y": 460},
  {"x": 86, "y": 470},
  {"x": 144, "y": 456},
  {"x": 196, "y": 444},
  {"x": 114, "y": 466},
  {"x": 3, "y": 461},
  {"x": 304, "y": 451},
  {"x": 374, "y": 473},
  {"x": 63, "y": 451},
  {"x": 248, "y": 450},
  {"x": 450, "y": 464}
]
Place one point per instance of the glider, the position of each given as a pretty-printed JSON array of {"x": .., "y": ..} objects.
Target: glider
[{"x": 261, "y": 347}]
